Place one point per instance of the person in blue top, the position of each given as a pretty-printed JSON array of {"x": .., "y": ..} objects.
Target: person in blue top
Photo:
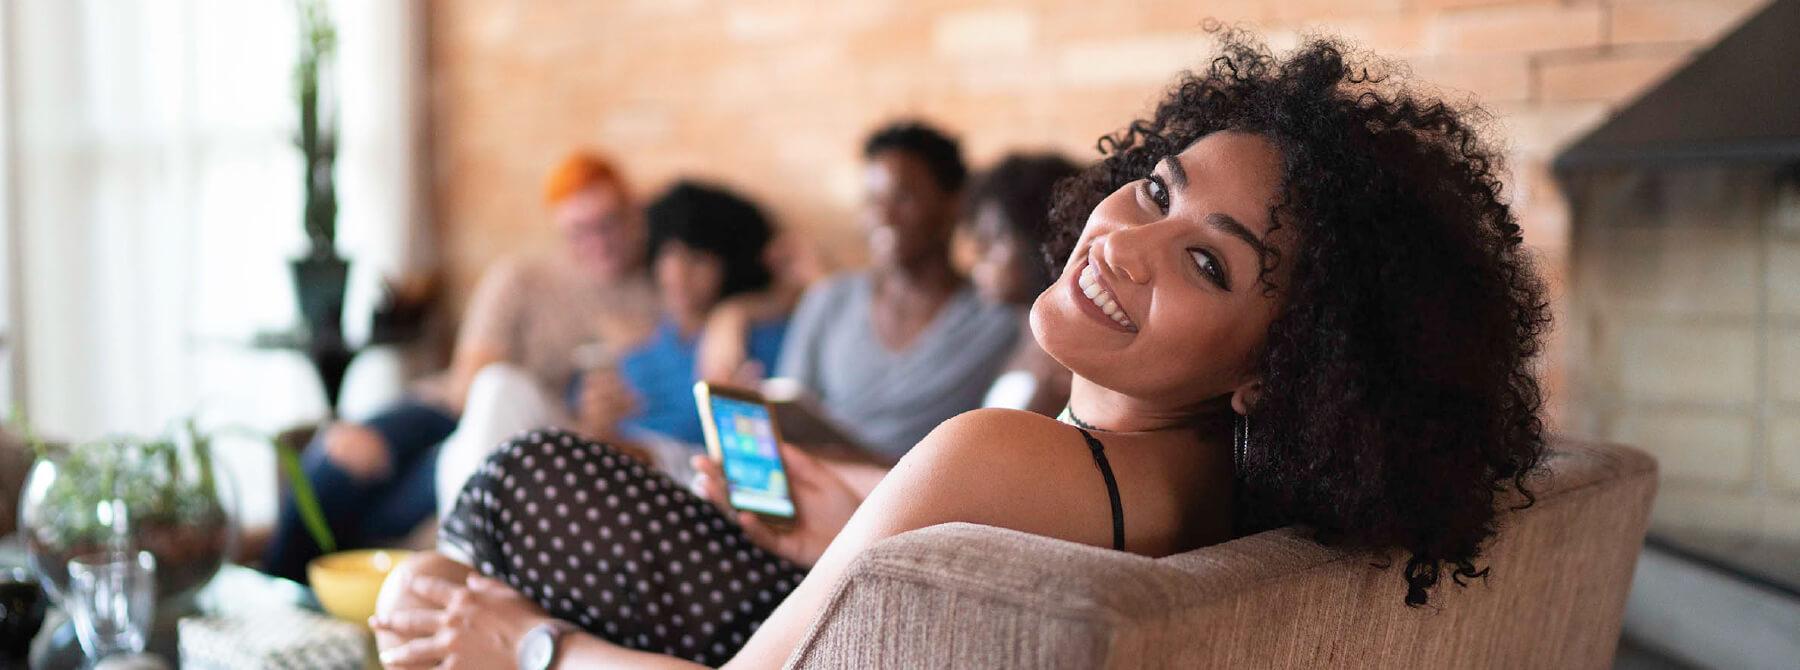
[{"x": 706, "y": 244}]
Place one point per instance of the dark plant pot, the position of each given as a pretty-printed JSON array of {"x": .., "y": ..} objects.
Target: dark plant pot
[{"x": 319, "y": 283}]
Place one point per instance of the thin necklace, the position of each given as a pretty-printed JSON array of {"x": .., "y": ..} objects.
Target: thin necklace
[{"x": 1069, "y": 413}]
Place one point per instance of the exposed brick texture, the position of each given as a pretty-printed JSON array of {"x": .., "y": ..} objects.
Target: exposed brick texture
[
  {"x": 774, "y": 96},
  {"x": 1519, "y": 28},
  {"x": 1588, "y": 77},
  {"x": 1653, "y": 21}
]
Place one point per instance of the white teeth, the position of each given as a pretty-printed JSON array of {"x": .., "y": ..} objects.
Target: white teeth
[{"x": 1102, "y": 298}]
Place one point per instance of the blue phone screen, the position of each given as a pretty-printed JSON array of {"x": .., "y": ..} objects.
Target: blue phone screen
[{"x": 754, "y": 476}]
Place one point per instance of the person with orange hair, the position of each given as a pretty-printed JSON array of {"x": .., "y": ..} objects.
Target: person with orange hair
[{"x": 525, "y": 323}]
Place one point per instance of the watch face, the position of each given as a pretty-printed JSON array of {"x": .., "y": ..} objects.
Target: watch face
[{"x": 538, "y": 649}]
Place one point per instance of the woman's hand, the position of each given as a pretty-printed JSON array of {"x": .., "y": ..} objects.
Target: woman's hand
[
  {"x": 605, "y": 401},
  {"x": 823, "y": 502},
  {"x": 475, "y": 624}
]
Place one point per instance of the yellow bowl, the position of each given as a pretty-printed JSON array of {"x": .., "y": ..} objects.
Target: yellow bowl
[{"x": 347, "y": 582}]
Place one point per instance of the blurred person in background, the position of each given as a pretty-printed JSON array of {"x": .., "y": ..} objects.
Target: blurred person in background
[
  {"x": 375, "y": 478},
  {"x": 707, "y": 244},
  {"x": 894, "y": 350},
  {"x": 1007, "y": 215}
]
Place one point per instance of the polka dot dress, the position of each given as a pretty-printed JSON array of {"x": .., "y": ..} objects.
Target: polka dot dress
[{"x": 600, "y": 540}]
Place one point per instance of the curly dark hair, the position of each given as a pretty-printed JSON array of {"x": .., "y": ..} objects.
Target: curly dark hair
[
  {"x": 713, "y": 219},
  {"x": 937, "y": 149},
  {"x": 1399, "y": 402},
  {"x": 1022, "y": 185}
]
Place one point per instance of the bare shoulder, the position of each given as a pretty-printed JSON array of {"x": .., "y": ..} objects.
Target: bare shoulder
[
  {"x": 993, "y": 433},
  {"x": 998, "y": 467},
  {"x": 997, "y": 447}
]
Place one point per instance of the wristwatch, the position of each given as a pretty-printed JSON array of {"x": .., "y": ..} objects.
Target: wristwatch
[{"x": 537, "y": 650}]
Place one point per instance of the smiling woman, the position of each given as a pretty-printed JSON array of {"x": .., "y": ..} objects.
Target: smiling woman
[
  {"x": 1291, "y": 296},
  {"x": 1397, "y": 395}
]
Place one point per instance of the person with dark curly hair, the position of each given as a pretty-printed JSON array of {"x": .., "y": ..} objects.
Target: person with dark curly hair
[
  {"x": 1293, "y": 295},
  {"x": 1007, "y": 215},
  {"x": 706, "y": 245}
]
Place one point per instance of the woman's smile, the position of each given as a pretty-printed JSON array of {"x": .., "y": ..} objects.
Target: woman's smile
[{"x": 1098, "y": 301}]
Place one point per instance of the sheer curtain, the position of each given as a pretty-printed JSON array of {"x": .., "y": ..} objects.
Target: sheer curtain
[{"x": 157, "y": 201}]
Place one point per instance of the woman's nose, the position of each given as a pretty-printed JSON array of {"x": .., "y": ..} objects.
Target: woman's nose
[{"x": 1132, "y": 250}]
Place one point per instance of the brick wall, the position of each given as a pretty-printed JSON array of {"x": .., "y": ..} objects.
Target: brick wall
[
  {"x": 774, "y": 96},
  {"x": 1685, "y": 318}
]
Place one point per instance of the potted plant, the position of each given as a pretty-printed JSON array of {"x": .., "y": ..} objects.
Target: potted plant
[
  {"x": 321, "y": 275},
  {"x": 173, "y": 501}
]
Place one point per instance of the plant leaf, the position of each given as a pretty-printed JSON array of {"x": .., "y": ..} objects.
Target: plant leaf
[{"x": 304, "y": 500}]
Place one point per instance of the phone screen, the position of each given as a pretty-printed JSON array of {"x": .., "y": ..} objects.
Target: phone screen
[{"x": 755, "y": 479}]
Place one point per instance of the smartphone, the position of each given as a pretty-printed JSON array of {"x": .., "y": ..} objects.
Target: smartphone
[{"x": 741, "y": 435}]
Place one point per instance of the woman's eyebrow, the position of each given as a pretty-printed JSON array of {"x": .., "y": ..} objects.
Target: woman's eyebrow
[
  {"x": 1230, "y": 226},
  {"x": 1177, "y": 173}
]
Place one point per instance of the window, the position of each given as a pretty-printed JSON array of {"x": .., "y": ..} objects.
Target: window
[{"x": 156, "y": 202}]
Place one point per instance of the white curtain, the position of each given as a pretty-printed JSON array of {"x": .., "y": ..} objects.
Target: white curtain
[{"x": 158, "y": 201}]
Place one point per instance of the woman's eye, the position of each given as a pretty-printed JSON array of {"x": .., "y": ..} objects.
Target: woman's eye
[
  {"x": 1158, "y": 192},
  {"x": 1209, "y": 267}
]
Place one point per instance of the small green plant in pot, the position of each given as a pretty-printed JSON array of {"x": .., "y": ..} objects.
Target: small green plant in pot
[{"x": 161, "y": 495}]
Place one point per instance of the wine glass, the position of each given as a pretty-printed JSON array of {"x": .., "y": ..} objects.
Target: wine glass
[{"x": 112, "y": 598}]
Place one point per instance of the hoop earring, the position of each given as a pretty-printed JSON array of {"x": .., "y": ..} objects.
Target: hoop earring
[{"x": 1240, "y": 441}]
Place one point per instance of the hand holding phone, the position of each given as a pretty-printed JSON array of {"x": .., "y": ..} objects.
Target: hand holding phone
[
  {"x": 828, "y": 498},
  {"x": 741, "y": 435}
]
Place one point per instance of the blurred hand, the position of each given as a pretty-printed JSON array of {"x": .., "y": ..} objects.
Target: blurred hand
[
  {"x": 822, "y": 500},
  {"x": 474, "y": 624},
  {"x": 604, "y": 402}
]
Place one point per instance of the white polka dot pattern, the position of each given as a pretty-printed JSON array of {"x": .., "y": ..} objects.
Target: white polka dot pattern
[{"x": 600, "y": 540}]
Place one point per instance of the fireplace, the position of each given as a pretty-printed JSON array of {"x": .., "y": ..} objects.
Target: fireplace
[{"x": 1684, "y": 295}]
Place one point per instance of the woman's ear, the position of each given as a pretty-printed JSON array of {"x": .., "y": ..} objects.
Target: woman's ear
[{"x": 1245, "y": 397}]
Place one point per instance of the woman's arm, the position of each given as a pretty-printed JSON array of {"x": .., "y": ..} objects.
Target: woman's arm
[
  {"x": 485, "y": 334},
  {"x": 723, "y": 353},
  {"x": 1001, "y": 468}
]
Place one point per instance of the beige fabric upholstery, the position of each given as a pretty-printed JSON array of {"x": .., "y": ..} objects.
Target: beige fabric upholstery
[{"x": 966, "y": 596}]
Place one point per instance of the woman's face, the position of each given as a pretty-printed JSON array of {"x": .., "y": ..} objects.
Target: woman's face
[
  {"x": 1002, "y": 270},
  {"x": 1160, "y": 300},
  {"x": 907, "y": 216},
  {"x": 688, "y": 280},
  {"x": 605, "y": 235}
]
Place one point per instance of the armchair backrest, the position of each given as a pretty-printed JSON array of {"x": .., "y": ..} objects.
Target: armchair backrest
[{"x": 961, "y": 595}]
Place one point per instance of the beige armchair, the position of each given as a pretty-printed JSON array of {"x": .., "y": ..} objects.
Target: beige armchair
[{"x": 966, "y": 596}]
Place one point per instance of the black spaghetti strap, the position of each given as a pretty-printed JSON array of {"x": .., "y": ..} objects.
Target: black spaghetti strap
[{"x": 1112, "y": 487}]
